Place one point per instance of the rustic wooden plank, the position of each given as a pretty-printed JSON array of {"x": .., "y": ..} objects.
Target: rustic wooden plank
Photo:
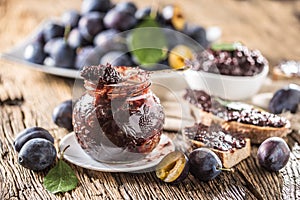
[
  {"x": 120, "y": 185},
  {"x": 40, "y": 93},
  {"x": 20, "y": 181},
  {"x": 291, "y": 172},
  {"x": 128, "y": 182}
]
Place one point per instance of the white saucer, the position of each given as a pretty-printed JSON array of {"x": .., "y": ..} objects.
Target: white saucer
[
  {"x": 262, "y": 100},
  {"x": 77, "y": 156}
]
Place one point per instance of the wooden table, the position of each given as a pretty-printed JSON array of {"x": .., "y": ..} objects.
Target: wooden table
[{"x": 27, "y": 98}]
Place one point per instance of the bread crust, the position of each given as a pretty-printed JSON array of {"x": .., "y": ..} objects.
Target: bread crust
[
  {"x": 257, "y": 134},
  {"x": 229, "y": 158},
  {"x": 278, "y": 75}
]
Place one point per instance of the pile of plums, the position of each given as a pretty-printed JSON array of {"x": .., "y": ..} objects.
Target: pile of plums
[{"x": 93, "y": 36}]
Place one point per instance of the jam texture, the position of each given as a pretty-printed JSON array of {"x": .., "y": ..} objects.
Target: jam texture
[
  {"x": 105, "y": 74},
  {"x": 290, "y": 68},
  {"x": 117, "y": 122},
  {"x": 239, "y": 62},
  {"x": 233, "y": 111},
  {"x": 214, "y": 137}
]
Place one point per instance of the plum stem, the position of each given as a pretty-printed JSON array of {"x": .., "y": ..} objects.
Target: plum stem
[
  {"x": 154, "y": 9},
  {"x": 225, "y": 169},
  {"x": 67, "y": 32},
  {"x": 63, "y": 151}
]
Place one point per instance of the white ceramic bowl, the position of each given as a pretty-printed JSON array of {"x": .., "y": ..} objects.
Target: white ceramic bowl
[
  {"x": 166, "y": 84},
  {"x": 228, "y": 87}
]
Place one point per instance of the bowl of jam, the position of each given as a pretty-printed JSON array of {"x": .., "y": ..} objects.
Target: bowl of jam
[
  {"x": 230, "y": 71},
  {"x": 117, "y": 119}
]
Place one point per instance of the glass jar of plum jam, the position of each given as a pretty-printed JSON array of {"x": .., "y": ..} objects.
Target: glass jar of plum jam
[{"x": 118, "y": 119}]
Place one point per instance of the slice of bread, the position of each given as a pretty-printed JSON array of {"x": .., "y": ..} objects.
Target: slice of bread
[
  {"x": 219, "y": 141},
  {"x": 271, "y": 124},
  {"x": 257, "y": 134},
  {"x": 288, "y": 71}
]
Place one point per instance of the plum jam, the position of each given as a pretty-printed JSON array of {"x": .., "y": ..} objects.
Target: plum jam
[
  {"x": 118, "y": 119},
  {"x": 240, "y": 61},
  {"x": 215, "y": 137},
  {"x": 290, "y": 68},
  {"x": 233, "y": 111}
]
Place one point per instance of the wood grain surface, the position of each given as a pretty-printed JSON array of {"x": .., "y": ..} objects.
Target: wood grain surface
[{"x": 27, "y": 98}]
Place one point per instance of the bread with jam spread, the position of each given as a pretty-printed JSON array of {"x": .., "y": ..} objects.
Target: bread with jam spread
[
  {"x": 229, "y": 148},
  {"x": 238, "y": 117},
  {"x": 287, "y": 70}
]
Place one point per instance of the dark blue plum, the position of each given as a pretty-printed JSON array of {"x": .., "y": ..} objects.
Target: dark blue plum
[
  {"x": 53, "y": 30},
  {"x": 37, "y": 154},
  {"x": 34, "y": 52},
  {"x": 105, "y": 38},
  {"x": 142, "y": 13},
  {"x": 31, "y": 133},
  {"x": 70, "y": 18},
  {"x": 273, "y": 154},
  {"x": 86, "y": 56},
  {"x": 110, "y": 40},
  {"x": 197, "y": 33},
  {"x": 116, "y": 58},
  {"x": 39, "y": 37},
  {"x": 63, "y": 54},
  {"x": 127, "y": 6},
  {"x": 205, "y": 165},
  {"x": 120, "y": 20},
  {"x": 75, "y": 39},
  {"x": 95, "y": 5},
  {"x": 285, "y": 99},
  {"x": 48, "y": 47},
  {"x": 90, "y": 25},
  {"x": 62, "y": 115}
]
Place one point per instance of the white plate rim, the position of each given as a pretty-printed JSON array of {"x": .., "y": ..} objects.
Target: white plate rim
[
  {"x": 15, "y": 54},
  {"x": 76, "y": 157}
]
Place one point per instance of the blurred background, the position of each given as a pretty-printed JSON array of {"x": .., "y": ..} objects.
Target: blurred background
[{"x": 271, "y": 26}]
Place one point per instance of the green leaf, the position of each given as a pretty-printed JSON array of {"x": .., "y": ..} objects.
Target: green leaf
[
  {"x": 148, "y": 43},
  {"x": 60, "y": 178},
  {"x": 225, "y": 46}
]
